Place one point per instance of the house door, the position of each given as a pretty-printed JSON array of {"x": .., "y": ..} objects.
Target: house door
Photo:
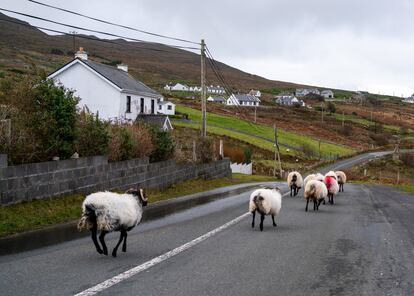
[{"x": 152, "y": 106}]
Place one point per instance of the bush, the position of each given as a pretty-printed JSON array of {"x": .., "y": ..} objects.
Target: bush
[
  {"x": 204, "y": 149},
  {"x": 235, "y": 153},
  {"x": 331, "y": 107},
  {"x": 407, "y": 159},
  {"x": 380, "y": 139},
  {"x": 247, "y": 155},
  {"x": 164, "y": 145},
  {"x": 57, "y": 51},
  {"x": 92, "y": 135}
]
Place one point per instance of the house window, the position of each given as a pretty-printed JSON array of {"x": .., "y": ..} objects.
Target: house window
[
  {"x": 142, "y": 106},
  {"x": 152, "y": 106},
  {"x": 169, "y": 107},
  {"x": 159, "y": 107},
  {"x": 128, "y": 104}
]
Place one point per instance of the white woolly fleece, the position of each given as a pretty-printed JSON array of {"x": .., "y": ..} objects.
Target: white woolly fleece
[
  {"x": 308, "y": 178},
  {"x": 299, "y": 179},
  {"x": 272, "y": 202},
  {"x": 334, "y": 188},
  {"x": 341, "y": 177},
  {"x": 331, "y": 174},
  {"x": 319, "y": 177},
  {"x": 315, "y": 189},
  {"x": 113, "y": 208}
]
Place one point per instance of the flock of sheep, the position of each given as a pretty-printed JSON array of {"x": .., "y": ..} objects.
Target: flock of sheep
[
  {"x": 108, "y": 211},
  {"x": 317, "y": 188}
]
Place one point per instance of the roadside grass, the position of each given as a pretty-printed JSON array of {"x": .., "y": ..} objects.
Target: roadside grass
[
  {"x": 285, "y": 137},
  {"x": 405, "y": 187},
  {"x": 40, "y": 213}
]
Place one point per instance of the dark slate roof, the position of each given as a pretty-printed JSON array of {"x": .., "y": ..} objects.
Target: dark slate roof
[
  {"x": 153, "y": 119},
  {"x": 246, "y": 98},
  {"x": 120, "y": 78},
  {"x": 218, "y": 99}
]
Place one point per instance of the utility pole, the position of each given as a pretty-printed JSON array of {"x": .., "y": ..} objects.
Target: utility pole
[
  {"x": 277, "y": 154},
  {"x": 322, "y": 111},
  {"x": 73, "y": 38},
  {"x": 203, "y": 89},
  {"x": 343, "y": 119},
  {"x": 255, "y": 113}
]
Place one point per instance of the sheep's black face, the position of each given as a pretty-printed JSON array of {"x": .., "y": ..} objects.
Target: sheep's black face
[{"x": 140, "y": 195}]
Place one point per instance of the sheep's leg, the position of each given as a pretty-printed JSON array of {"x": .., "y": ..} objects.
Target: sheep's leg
[
  {"x": 314, "y": 204},
  {"x": 319, "y": 203},
  {"x": 291, "y": 188},
  {"x": 273, "y": 219},
  {"x": 254, "y": 216},
  {"x": 117, "y": 245},
  {"x": 102, "y": 240},
  {"x": 324, "y": 202},
  {"x": 332, "y": 198},
  {"x": 307, "y": 203},
  {"x": 125, "y": 241},
  {"x": 261, "y": 222},
  {"x": 94, "y": 239}
]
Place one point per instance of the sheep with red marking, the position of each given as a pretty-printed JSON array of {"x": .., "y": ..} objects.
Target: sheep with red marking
[{"x": 332, "y": 186}]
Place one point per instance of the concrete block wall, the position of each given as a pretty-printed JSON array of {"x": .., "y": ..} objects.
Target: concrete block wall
[{"x": 89, "y": 174}]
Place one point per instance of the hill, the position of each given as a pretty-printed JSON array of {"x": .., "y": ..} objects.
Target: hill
[{"x": 23, "y": 45}]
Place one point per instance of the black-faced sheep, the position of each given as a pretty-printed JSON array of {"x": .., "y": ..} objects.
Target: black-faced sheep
[
  {"x": 341, "y": 177},
  {"x": 295, "y": 182},
  {"x": 266, "y": 202},
  {"x": 109, "y": 211},
  {"x": 316, "y": 191}
]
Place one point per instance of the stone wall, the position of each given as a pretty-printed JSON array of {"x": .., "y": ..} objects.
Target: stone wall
[{"x": 89, "y": 174}]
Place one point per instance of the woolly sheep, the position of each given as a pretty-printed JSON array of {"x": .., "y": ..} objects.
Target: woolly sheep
[
  {"x": 109, "y": 211},
  {"x": 316, "y": 191},
  {"x": 332, "y": 186},
  {"x": 266, "y": 202},
  {"x": 341, "y": 177},
  {"x": 308, "y": 178},
  {"x": 331, "y": 174},
  {"x": 295, "y": 182},
  {"x": 319, "y": 177}
]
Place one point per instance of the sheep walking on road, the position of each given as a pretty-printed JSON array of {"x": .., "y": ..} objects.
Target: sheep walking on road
[
  {"x": 295, "y": 182},
  {"x": 316, "y": 191},
  {"x": 333, "y": 188},
  {"x": 341, "y": 177},
  {"x": 109, "y": 211},
  {"x": 266, "y": 202},
  {"x": 308, "y": 178}
]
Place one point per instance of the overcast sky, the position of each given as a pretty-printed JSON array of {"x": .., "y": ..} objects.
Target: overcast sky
[{"x": 349, "y": 44}]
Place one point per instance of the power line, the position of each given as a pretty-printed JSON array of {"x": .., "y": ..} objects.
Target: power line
[
  {"x": 111, "y": 23},
  {"x": 135, "y": 46},
  {"x": 95, "y": 31}
]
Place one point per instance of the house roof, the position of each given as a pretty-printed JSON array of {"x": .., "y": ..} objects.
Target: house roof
[
  {"x": 160, "y": 121},
  {"x": 246, "y": 98},
  {"x": 119, "y": 78},
  {"x": 326, "y": 91},
  {"x": 215, "y": 88},
  {"x": 218, "y": 98}
]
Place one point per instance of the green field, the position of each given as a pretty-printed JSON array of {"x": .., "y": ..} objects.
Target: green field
[
  {"x": 362, "y": 121},
  {"x": 239, "y": 125}
]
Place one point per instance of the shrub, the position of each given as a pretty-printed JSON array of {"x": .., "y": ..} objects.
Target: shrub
[
  {"x": 235, "y": 153},
  {"x": 164, "y": 145},
  {"x": 57, "y": 51},
  {"x": 407, "y": 159},
  {"x": 204, "y": 149},
  {"x": 380, "y": 139},
  {"x": 331, "y": 107},
  {"x": 122, "y": 143},
  {"x": 92, "y": 135},
  {"x": 247, "y": 154}
]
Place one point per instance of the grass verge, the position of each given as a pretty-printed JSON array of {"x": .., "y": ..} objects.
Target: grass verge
[
  {"x": 405, "y": 187},
  {"x": 38, "y": 214}
]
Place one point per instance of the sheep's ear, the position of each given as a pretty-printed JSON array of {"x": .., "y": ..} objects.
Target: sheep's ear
[
  {"x": 132, "y": 191},
  {"x": 277, "y": 189}
]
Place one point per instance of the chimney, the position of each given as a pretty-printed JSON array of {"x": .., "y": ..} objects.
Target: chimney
[
  {"x": 81, "y": 54},
  {"x": 123, "y": 67}
]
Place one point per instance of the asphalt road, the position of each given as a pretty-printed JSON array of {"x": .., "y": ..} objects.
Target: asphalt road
[{"x": 363, "y": 245}]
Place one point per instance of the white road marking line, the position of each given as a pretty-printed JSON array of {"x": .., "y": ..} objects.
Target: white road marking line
[{"x": 146, "y": 265}]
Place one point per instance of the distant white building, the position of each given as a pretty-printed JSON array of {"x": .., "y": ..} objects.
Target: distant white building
[
  {"x": 216, "y": 99},
  {"x": 215, "y": 90},
  {"x": 180, "y": 87},
  {"x": 109, "y": 91},
  {"x": 327, "y": 94},
  {"x": 243, "y": 100},
  {"x": 409, "y": 100},
  {"x": 301, "y": 92},
  {"x": 166, "y": 107},
  {"x": 286, "y": 99},
  {"x": 255, "y": 93}
]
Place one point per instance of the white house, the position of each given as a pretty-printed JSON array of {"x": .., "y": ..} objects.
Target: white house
[
  {"x": 215, "y": 89},
  {"x": 216, "y": 99},
  {"x": 288, "y": 100},
  {"x": 301, "y": 92},
  {"x": 255, "y": 93},
  {"x": 166, "y": 107},
  {"x": 242, "y": 100},
  {"x": 327, "y": 94},
  {"x": 180, "y": 87},
  {"x": 106, "y": 90}
]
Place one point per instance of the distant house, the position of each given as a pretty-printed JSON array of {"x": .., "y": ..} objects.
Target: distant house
[
  {"x": 287, "y": 99},
  {"x": 180, "y": 87},
  {"x": 409, "y": 100},
  {"x": 195, "y": 88},
  {"x": 327, "y": 94},
  {"x": 255, "y": 93},
  {"x": 109, "y": 91},
  {"x": 161, "y": 121},
  {"x": 215, "y": 89},
  {"x": 243, "y": 100},
  {"x": 301, "y": 92},
  {"x": 216, "y": 99},
  {"x": 166, "y": 107}
]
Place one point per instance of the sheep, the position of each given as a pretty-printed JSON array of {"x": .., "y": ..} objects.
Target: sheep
[
  {"x": 332, "y": 186},
  {"x": 295, "y": 182},
  {"x": 341, "y": 177},
  {"x": 319, "y": 177},
  {"x": 266, "y": 202},
  {"x": 109, "y": 211},
  {"x": 317, "y": 191},
  {"x": 308, "y": 178},
  {"x": 331, "y": 174}
]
